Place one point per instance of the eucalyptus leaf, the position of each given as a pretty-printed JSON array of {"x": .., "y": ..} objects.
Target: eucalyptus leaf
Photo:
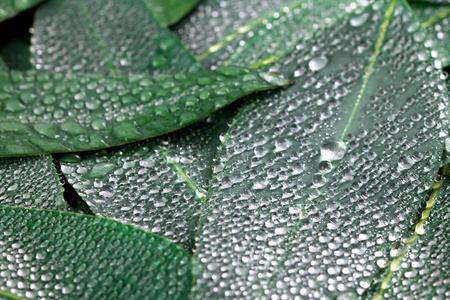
[
  {"x": 168, "y": 12},
  {"x": 436, "y": 19},
  {"x": 156, "y": 185},
  {"x": 105, "y": 36},
  {"x": 10, "y": 8},
  {"x": 63, "y": 112},
  {"x": 67, "y": 256},
  {"x": 315, "y": 182}
]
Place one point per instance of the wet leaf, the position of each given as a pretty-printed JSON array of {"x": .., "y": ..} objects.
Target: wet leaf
[
  {"x": 313, "y": 183},
  {"x": 10, "y": 8},
  {"x": 424, "y": 261},
  {"x": 68, "y": 256},
  {"x": 436, "y": 19},
  {"x": 105, "y": 36},
  {"x": 30, "y": 182},
  {"x": 168, "y": 12},
  {"x": 17, "y": 53},
  {"x": 156, "y": 185},
  {"x": 237, "y": 39},
  {"x": 64, "y": 112}
]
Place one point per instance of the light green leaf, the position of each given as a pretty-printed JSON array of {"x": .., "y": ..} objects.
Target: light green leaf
[
  {"x": 436, "y": 19},
  {"x": 422, "y": 259},
  {"x": 10, "y": 8},
  {"x": 168, "y": 12},
  {"x": 68, "y": 256},
  {"x": 30, "y": 182},
  {"x": 105, "y": 36},
  {"x": 315, "y": 182},
  {"x": 56, "y": 112},
  {"x": 246, "y": 41},
  {"x": 156, "y": 185}
]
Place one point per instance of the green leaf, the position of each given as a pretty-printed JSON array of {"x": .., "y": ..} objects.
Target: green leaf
[
  {"x": 436, "y": 19},
  {"x": 237, "y": 39},
  {"x": 211, "y": 21},
  {"x": 56, "y": 112},
  {"x": 314, "y": 183},
  {"x": 422, "y": 259},
  {"x": 431, "y": 1},
  {"x": 30, "y": 182},
  {"x": 10, "y": 8},
  {"x": 68, "y": 256},
  {"x": 156, "y": 185},
  {"x": 105, "y": 36},
  {"x": 168, "y": 12},
  {"x": 16, "y": 53}
]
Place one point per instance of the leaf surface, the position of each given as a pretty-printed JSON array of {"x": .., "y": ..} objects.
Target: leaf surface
[
  {"x": 10, "y": 8},
  {"x": 436, "y": 19},
  {"x": 69, "y": 256},
  {"x": 117, "y": 37},
  {"x": 56, "y": 112},
  {"x": 30, "y": 182},
  {"x": 314, "y": 182},
  {"x": 168, "y": 12},
  {"x": 156, "y": 185},
  {"x": 424, "y": 262},
  {"x": 281, "y": 27}
]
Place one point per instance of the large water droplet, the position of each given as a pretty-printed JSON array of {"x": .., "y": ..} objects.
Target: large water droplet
[
  {"x": 333, "y": 150},
  {"x": 359, "y": 20},
  {"x": 317, "y": 63}
]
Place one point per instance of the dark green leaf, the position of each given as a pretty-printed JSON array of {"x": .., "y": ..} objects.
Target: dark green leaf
[
  {"x": 436, "y": 19},
  {"x": 170, "y": 11},
  {"x": 431, "y": 1},
  {"x": 315, "y": 182},
  {"x": 105, "y": 36},
  {"x": 66, "y": 256},
  {"x": 10, "y": 8},
  {"x": 16, "y": 53},
  {"x": 56, "y": 112},
  {"x": 156, "y": 185}
]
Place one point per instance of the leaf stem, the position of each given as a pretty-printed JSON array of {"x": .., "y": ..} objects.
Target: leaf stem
[{"x": 369, "y": 69}]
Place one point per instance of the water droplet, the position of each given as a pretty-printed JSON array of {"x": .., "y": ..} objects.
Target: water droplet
[
  {"x": 359, "y": 20},
  {"x": 317, "y": 63},
  {"x": 333, "y": 150}
]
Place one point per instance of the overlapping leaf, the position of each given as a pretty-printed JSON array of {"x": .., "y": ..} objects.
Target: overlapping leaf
[
  {"x": 315, "y": 182},
  {"x": 66, "y": 256},
  {"x": 281, "y": 24},
  {"x": 436, "y": 19},
  {"x": 168, "y": 12},
  {"x": 10, "y": 8},
  {"x": 156, "y": 185},
  {"x": 105, "y": 36},
  {"x": 56, "y": 112},
  {"x": 30, "y": 181}
]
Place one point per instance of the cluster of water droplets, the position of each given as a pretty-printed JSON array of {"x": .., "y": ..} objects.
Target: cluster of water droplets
[
  {"x": 313, "y": 185},
  {"x": 48, "y": 255},
  {"x": 104, "y": 36},
  {"x": 30, "y": 182},
  {"x": 424, "y": 272}
]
